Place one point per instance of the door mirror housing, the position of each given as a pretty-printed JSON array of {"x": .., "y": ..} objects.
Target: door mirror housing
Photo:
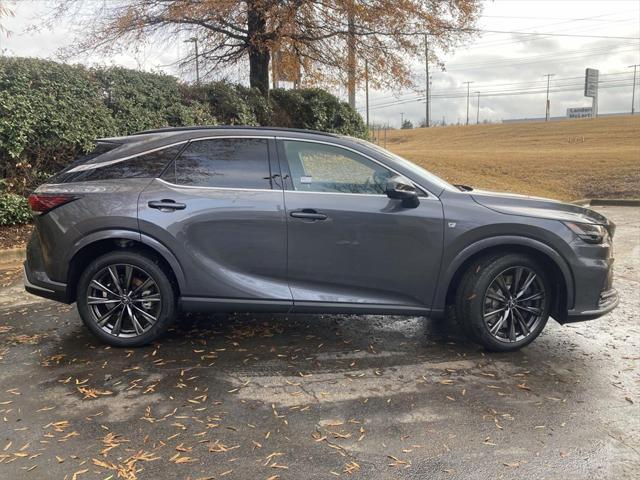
[{"x": 401, "y": 188}]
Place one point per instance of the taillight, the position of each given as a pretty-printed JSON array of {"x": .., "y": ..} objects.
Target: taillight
[{"x": 44, "y": 202}]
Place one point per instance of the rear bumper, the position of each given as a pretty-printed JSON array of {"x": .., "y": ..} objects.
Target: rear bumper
[
  {"x": 37, "y": 283},
  {"x": 608, "y": 300}
]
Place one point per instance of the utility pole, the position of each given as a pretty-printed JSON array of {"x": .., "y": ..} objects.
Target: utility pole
[
  {"x": 478, "y": 110},
  {"x": 385, "y": 135},
  {"x": 351, "y": 55},
  {"x": 548, "y": 105},
  {"x": 366, "y": 88},
  {"x": 194, "y": 40},
  {"x": 633, "y": 92},
  {"x": 428, "y": 97},
  {"x": 401, "y": 119},
  {"x": 468, "y": 83}
]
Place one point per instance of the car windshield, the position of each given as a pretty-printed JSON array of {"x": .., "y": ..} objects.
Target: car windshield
[{"x": 409, "y": 165}]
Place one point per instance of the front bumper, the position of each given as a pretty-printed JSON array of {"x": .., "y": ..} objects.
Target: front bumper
[
  {"x": 39, "y": 284},
  {"x": 608, "y": 300}
]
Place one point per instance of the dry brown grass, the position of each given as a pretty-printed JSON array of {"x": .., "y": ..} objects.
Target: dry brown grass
[{"x": 569, "y": 160}]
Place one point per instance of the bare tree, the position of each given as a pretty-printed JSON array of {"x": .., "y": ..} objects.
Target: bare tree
[
  {"x": 5, "y": 11},
  {"x": 314, "y": 34}
]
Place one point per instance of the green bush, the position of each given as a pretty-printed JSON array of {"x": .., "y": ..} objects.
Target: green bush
[
  {"x": 316, "y": 109},
  {"x": 14, "y": 209},
  {"x": 50, "y": 112},
  {"x": 227, "y": 103},
  {"x": 141, "y": 100}
]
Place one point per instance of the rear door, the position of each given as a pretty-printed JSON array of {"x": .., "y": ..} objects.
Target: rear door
[
  {"x": 221, "y": 213},
  {"x": 349, "y": 245}
]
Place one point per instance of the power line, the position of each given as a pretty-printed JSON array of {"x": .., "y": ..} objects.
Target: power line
[
  {"x": 576, "y": 81},
  {"x": 547, "y": 25},
  {"x": 523, "y": 61},
  {"x": 564, "y": 19},
  {"x": 546, "y": 34},
  {"x": 573, "y": 88}
]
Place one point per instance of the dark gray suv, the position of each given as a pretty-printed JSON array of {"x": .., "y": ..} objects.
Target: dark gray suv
[{"x": 278, "y": 220}]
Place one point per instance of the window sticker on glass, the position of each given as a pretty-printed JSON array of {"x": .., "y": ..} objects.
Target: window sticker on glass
[{"x": 306, "y": 179}]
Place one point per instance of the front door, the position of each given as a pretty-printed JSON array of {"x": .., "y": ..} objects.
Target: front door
[
  {"x": 219, "y": 211},
  {"x": 348, "y": 243}
]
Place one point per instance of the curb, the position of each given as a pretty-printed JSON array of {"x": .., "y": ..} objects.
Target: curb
[
  {"x": 13, "y": 255},
  {"x": 603, "y": 202}
]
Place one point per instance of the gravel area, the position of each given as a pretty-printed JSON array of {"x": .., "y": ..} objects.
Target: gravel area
[{"x": 321, "y": 396}]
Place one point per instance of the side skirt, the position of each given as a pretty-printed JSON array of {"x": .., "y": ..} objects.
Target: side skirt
[{"x": 204, "y": 304}]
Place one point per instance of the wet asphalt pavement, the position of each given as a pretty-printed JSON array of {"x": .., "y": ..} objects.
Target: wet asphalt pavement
[{"x": 320, "y": 397}]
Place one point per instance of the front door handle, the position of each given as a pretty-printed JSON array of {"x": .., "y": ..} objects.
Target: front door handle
[
  {"x": 308, "y": 214},
  {"x": 166, "y": 205}
]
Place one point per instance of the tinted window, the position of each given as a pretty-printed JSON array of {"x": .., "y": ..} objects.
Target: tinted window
[
  {"x": 317, "y": 167},
  {"x": 225, "y": 162},
  {"x": 149, "y": 165}
]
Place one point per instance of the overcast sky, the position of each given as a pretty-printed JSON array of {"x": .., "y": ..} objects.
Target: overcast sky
[{"x": 497, "y": 64}]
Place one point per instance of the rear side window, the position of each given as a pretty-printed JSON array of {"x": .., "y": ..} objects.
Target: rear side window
[
  {"x": 149, "y": 165},
  {"x": 224, "y": 162}
]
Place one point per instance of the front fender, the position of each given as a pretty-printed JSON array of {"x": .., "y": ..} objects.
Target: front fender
[{"x": 452, "y": 268}]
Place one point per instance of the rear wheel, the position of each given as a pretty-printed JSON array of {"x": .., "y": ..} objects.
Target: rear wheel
[
  {"x": 503, "y": 301},
  {"x": 126, "y": 299}
]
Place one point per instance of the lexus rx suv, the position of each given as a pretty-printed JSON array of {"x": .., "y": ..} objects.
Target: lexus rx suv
[{"x": 227, "y": 219}]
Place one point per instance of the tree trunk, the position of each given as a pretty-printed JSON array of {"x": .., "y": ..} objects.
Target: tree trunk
[{"x": 259, "y": 55}]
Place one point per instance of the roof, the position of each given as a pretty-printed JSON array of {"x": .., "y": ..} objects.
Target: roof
[{"x": 233, "y": 127}]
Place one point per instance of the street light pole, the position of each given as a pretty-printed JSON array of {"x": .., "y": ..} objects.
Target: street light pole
[
  {"x": 548, "y": 107},
  {"x": 478, "y": 110},
  {"x": 194, "y": 40},
  {"x": 468, "y": 83},
  {"x": 633, "y": 92}
]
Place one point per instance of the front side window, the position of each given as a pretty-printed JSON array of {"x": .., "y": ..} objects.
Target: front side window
[
  {"x": 317, "y": 167},
  {"x": 224, "y": 162}
]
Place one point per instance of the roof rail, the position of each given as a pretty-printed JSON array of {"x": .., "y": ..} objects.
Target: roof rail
[{"x": 232, "y": 127}]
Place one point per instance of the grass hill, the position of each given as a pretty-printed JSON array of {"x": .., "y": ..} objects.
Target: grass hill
[{"x": 568, "y": 160}]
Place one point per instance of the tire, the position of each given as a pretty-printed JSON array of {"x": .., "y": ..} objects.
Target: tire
[
  {"x": 121, "y": 314},
  {"x": 503, "y": 301}
]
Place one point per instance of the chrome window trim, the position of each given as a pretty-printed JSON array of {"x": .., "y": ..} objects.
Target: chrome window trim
[
  {"x": 93, "y": 166},
  {"x": 239, "y": 189},
  {"x": 339, "y": 193},
  {"x": 430, "y": 195}
]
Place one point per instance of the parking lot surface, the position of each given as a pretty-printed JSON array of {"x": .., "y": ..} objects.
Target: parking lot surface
[{"x": 320, "y": 397}]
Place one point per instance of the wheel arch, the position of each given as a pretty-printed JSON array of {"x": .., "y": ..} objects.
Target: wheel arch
[
  {"x": 557, "y": 268},
  {"x": 99, "y": 243}
]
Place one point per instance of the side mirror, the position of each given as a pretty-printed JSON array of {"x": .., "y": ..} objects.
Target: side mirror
[{"x": 402, "y": 189}]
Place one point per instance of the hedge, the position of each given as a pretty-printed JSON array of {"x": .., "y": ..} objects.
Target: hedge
[
  {"x": 14, "y": 209},
  {"x": 49, "y": 112}
]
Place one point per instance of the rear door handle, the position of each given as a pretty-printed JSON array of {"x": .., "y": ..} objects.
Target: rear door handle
[
  {"x": 166, "y": 205},
  {"x": 308, "y": 214}
]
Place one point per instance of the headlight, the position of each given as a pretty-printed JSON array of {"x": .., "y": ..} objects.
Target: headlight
[{"x": 588, "y": 232}]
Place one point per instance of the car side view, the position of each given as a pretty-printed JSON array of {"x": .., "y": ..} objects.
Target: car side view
[{"x": 251, "y": 219}]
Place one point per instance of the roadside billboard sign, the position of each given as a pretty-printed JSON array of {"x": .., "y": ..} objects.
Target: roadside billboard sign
[
  {"x": 580, "y": 112},
  {"x": 591, "y": 82}
]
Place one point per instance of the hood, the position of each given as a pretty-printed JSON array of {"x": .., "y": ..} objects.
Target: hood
[{"x": 513, "y": 204}]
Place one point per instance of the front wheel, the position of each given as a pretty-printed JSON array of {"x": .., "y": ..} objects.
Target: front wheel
[
  {"x": 126, "y": 299},
  {"x": 503, "y": 301}
]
